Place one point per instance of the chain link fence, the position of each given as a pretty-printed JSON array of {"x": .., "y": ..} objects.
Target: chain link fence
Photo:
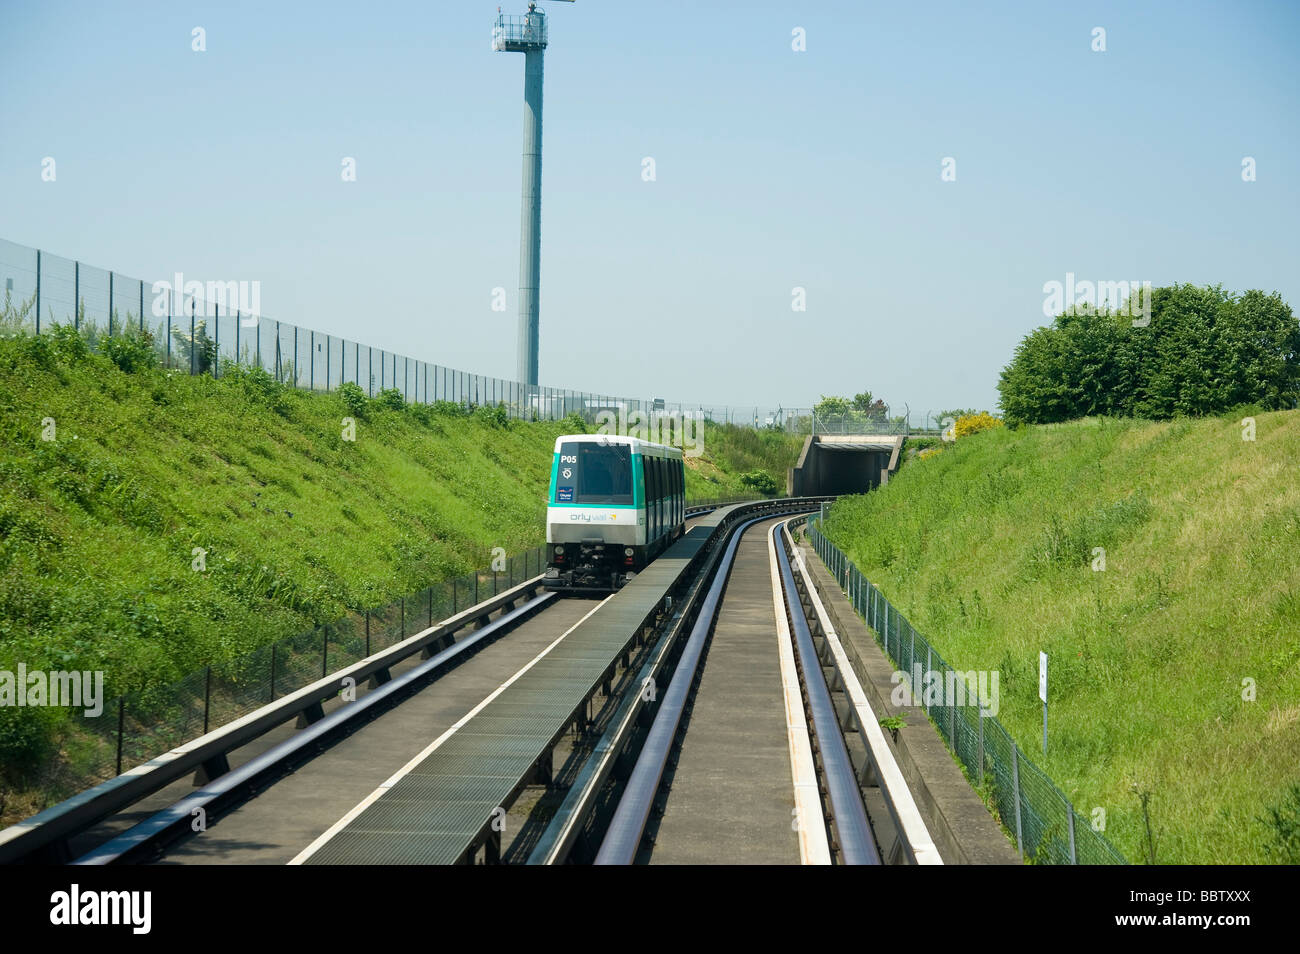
[
  {"x": 203, "y": 328},
  {"x": 1046, "y": 827},
  {"x": 142, "y": 725}
]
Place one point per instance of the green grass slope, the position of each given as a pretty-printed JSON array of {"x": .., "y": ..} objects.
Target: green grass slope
[
  {"x": 731, "y": 451},
  {"x": 100, "y": 524},
  {"x": 988, "y": 547}
]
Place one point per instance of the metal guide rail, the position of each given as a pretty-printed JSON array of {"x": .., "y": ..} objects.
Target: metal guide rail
[
  {"x": 911, "y": 842},
  {"x": 441, "y": 808},
  {"x": 624, "y": 840}
]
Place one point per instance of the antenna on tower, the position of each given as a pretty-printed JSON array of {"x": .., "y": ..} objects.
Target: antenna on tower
[{"x": 527, "y": 34}]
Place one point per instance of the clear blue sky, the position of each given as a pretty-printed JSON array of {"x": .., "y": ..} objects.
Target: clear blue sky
[{"x": 775, "y": 169}]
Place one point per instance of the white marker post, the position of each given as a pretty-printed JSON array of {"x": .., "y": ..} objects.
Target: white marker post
[{"x": 1042, "y": 693}]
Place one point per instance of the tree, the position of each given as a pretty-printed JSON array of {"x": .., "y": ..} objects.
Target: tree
[
  {"x": 199, "y": 350},
  {"x": 1203, "y": 352}
]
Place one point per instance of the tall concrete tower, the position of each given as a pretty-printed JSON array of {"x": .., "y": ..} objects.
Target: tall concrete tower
[{"x": 527, "y": 35}]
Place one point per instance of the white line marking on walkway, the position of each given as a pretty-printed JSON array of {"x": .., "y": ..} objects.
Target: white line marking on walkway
[{"x": 406, "y": 769}]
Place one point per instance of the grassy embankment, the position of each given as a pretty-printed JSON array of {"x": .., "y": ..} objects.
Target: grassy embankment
[{"x": 988, "y": 548}]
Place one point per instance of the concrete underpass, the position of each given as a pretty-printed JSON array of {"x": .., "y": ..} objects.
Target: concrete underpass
[{"x": 844, "y": 464}]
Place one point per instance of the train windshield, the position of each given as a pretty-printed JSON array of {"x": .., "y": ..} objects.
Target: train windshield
[{"x": 594, "y": 474}]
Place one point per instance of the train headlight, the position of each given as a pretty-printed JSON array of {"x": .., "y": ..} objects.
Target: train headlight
[
  {"x": 559, "y": 551},
  {"x": 628, "y": 551}
]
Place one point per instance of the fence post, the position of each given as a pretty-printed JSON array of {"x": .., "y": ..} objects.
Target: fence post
[
  {"x": 76, "y": 295},
  {"x": 110, "y": 304},
  {"x": 402, "y": 626},
  {"x": 475, "y": 603},
  {"x": 430, "y": 605},
  {"x": 1069, "y": 814},
  {"x": 324, "y": 651},
  {"x": 980, "y": 718},
  {"x": 207, "y": 697},
  {"x": 367, "y": 632},
  {"x": 453, "y": 596},
  {"x": 273, "y": 672},
  {"x": 121, "y": 721},
  {"x": 142, "y": 306},
  {"x": 38, "y": 312},
  {"x": 1015, "y": 790},
  {"x": 929, "y": 663}
]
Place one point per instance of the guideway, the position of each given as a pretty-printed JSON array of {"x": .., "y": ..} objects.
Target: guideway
[{"x": 732, "y": 795}]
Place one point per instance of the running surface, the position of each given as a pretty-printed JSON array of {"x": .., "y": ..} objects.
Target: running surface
[{"x": 731, "y": 798}]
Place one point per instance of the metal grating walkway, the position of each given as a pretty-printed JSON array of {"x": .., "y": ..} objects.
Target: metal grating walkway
[{"x": 440, "y": 809}]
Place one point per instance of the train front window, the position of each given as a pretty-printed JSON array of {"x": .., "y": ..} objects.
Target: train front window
[{"x": 597, "y": 474}]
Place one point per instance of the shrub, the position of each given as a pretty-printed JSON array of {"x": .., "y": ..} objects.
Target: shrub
[
  {"x": 494, "y": 416},
  {"x": 390, "y": 398},
  {"x": 26, "y": 738},
  {"x": 354, "y": 399},
  {"x": 761, "y": 481},
  {"x": 573, "y": 423},
  {"x": 69, "y": 343},
  {"x": 199, "y": 351},
  {"x": 258, "y": 384},
  {"x": 974, "y": 423},
  {"x": 132, "y": 350}
]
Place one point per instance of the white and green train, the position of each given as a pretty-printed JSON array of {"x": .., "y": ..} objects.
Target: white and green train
[{"x": 615, "y": 504}]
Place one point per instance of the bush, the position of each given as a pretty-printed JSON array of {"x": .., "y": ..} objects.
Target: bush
[
  {"x": 258, "y": 384},
  {"x": 199, "y": 351},
  {"x": 354, "y": 399},
  {"x": 494, "y": 416},
  {"x": 69, "y": 344},
  {"x": 574, "y": 423},
  {"x": 974, "y": 423},
  {"x": 760, "y": 481},
  {"x": 391, "y": 398},
  {"x": 26, "y": 738}
]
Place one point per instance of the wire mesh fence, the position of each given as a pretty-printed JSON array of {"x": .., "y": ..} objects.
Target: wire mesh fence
[
  {"x": 1046, "y": 827},
  {"x": 142, "y": 725},
  {"x": 208, "y": 328}
]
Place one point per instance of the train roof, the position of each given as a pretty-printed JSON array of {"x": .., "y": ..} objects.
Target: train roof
[{"x": 636, "y": 443}]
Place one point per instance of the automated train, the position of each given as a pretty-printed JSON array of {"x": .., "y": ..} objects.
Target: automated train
[{"x": 615, "y": 504}]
